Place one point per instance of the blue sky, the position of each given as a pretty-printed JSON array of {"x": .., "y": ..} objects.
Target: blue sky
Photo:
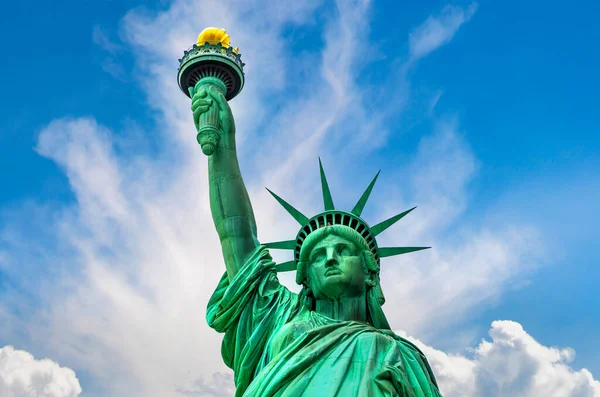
[{"x": 482, "y": 114}]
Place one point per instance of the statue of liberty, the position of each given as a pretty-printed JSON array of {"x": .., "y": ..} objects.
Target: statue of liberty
[{"x": 331, "y": 339}]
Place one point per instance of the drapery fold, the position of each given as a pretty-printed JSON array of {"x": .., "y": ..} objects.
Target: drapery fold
[{"x": 328, "y": 358}]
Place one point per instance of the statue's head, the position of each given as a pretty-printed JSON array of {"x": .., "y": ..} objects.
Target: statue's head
[
  {"x": 335, "y": 261},
  {"x": 336, "y": 254}
]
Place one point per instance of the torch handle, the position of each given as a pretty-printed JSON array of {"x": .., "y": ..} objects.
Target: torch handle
[{"x": 208, "y": 123}]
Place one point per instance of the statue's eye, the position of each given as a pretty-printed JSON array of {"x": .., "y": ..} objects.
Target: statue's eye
[
  {"x": 344, "y": 250},
  {"x": 317, "y": 257}
]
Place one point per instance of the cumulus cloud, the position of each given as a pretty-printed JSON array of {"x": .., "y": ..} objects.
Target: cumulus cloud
[
  {"x": 133, "y": 260},
  {"x": 21, "y": 375},
  {"x": 438, "y": 30},
  {"x": 513, "y": 363}
]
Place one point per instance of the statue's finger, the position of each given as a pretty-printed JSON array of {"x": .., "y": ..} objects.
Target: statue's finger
[
  {"x": 201, "y": 102},
  {"x": 199, "y": 110},
  {"x": 219, "y": 98},
  {"x": 199, "y": 93}
]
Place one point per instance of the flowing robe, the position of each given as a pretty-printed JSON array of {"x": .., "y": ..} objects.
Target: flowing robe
[{"x": 277, "y": 347}]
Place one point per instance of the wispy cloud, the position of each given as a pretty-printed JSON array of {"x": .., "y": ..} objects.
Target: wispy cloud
[
  {"x": 438, "y": 30},
  {"x": 101, "y": 39},
  {"x": 468, "y": 264},
  {"x": 110, "y": 53}
]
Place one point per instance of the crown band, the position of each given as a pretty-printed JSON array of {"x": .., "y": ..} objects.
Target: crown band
[{"x": 336, "y": 217}]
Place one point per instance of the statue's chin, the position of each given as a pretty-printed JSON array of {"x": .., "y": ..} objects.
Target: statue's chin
[{"x": 335, "y": 287}]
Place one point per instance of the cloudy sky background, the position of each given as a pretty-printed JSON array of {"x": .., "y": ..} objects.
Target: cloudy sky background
[{"x": 481, "y": 114}]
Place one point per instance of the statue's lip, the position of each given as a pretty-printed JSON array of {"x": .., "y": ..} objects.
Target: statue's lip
[{"x": 334, "y": 271}]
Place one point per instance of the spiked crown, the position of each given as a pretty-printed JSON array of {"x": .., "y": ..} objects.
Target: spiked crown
[{"x": 332, "y": 216}]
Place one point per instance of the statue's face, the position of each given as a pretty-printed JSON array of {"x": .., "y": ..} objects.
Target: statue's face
[{"x": 335, "y": 269}]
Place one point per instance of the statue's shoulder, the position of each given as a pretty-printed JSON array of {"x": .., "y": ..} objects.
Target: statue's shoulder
[
  {"x": 416, "y": 353},
  {"x": 408, "y": 345}
]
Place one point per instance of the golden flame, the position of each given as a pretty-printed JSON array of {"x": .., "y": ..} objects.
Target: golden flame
[{"x": 214, "y": 36}]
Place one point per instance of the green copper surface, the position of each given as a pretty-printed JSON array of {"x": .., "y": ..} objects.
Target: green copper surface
[
  {"x": 357, "y": 210},
  {"x": 380, "y": 227},
  {"x": 211, "y": 60},
  {"x": 284, "y": 245},
  {"x": 332, "y": 338},
  {"x": 327, "y": 199},
  {"x": 208, "y": 122},
  {"x": 297, "y": 215},
  {"x": 391, "y": 251}
]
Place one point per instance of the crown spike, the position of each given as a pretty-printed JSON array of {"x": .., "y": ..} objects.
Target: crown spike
[
  {"x": 327, "y": 199},
  {"x": 282, "y": 245},
  {"x": 357, "y": 210},
  {"x": 297, "y": 215},
  {"x": 380, "y": 227},
  {"x": 285, "y": 266},
  {"x": 391, "y": 251}
]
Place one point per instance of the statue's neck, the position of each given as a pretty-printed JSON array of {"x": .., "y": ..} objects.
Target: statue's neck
[{"x": 344, "y": 309}]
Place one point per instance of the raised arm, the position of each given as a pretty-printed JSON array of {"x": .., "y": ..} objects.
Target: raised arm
[{"x": 229, "y": 202}]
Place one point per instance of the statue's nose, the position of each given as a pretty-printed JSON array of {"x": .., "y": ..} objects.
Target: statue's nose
[{"x": 332, "y": 259}]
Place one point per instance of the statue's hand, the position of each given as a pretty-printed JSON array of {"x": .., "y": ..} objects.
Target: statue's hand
[{"x": 203, "y": 98}]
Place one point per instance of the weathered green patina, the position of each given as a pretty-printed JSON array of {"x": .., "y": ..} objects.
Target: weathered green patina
[{"x": 331, "y": 339}]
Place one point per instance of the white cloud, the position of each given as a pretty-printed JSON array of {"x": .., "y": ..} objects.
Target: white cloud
[
  {"x": 135, "y": 259},
  {"x": 438, "y": 30},
  {"x": 21, "y": 375},
  {"x": 512, "y": 364}
]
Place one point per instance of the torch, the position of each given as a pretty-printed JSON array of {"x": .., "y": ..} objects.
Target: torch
[{"x": 211, "y": 62}]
